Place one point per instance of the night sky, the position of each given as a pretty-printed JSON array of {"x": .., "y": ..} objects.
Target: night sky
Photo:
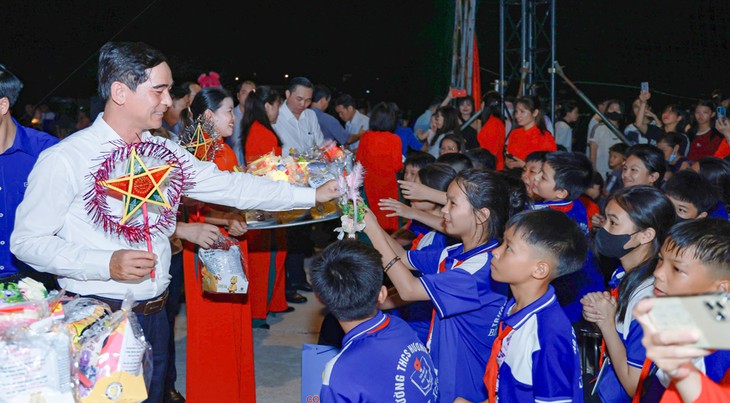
[{"x": 398, "y": 50}]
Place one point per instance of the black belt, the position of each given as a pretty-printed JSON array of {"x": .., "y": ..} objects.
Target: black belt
[{"x": 146, "y": 307}]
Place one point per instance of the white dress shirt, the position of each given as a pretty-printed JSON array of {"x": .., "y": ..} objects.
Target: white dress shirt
[
  {"x": 300, "y": 134},
  {"x": 55, "y": 234},
  {"x": 355, "y": 125}
]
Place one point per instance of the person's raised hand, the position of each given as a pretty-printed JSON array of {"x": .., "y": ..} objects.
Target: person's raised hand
[
  {"x": 131, "y": 265},
  {"x": 201, "y": 234},
  {"x": 597, "y": 221},
  {"x": 413, "y": 190},
  {"x": 723, "y": 127},
  {"x": 644, "y": 96},
  {"x": 328, "y": 191},
  {"x": 371, "y": 222},
  {"x": 398, "y": 209},
  {"x": 513, "y": 162}
]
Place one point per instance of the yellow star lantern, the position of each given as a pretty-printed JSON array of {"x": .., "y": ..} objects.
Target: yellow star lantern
[
  {"x": 141, "y": 185},
  {"x": 200, "y": 144}
]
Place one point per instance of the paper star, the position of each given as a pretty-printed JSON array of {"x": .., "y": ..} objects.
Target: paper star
[
  {"x": 141, "y": 185},
  {"x": 200, "y": 144}
]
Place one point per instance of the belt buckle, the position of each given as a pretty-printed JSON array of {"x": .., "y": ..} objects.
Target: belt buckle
[{"x": 154, "y": 306}]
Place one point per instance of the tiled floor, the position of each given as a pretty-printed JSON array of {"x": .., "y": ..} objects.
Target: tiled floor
[{"x": 277, "y": 351}]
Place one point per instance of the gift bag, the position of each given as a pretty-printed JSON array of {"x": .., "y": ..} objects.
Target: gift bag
[
  {"x": 314, "y": 359},
  {"x": 222, "y": 267}
]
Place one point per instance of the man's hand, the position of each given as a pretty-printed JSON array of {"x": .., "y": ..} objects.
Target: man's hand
[
  {"x": 328, "y": 191},
  {"x": 127, "y": 264},
  {"x": 203, "y": 235},
  {"x": 236, "y": 224}
]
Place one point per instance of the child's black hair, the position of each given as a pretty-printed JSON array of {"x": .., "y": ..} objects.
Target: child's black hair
[
  {"x": 481, "y": 158},
  {"x": 437, "y": 176},
  {"x": 346, "y": 276},
  {"x": 518, "y": 198},
  {"x": 690, "y": 187},
  {"x": 457, "y": 161},
  {"x": 418, "y": 159},
  {"x": 597, "y": 179},
  {"x": 536, "y": 156},
  {"x": 554, "y": 234},
  {"x": 486, "y": 189},
  {"x": 573, "y": 172},
  {"x": 618, "y": 148},
  {"x": 717, "y": 171},
  {"x": 707, "y": 238}
]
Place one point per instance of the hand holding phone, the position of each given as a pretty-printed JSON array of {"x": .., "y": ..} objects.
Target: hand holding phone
[
  {"x": 707, "y": 313},
  {"x": 644, "y": 86},
  {"x": 721, "y": 112}
]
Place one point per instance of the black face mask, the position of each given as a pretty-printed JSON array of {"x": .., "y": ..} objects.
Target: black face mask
[
  {"x": 614, "y": 116},
  {"x": 611, "y": 245}
]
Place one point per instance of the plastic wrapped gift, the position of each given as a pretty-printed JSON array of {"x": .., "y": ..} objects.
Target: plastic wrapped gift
[
  {"x": 223, "y": 268},
  {"x": 82, "y": 314},
  {"x": 114, "y": 361},
  {"x": 26, "y": 302},
  {"x": 35, "y": 363},
  {"x": 278, "y": 168}
]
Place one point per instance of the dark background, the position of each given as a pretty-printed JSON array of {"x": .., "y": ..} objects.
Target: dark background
[{"x": 397, "y": 50}]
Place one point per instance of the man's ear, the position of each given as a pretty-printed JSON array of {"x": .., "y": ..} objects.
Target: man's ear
[
  {"x": 119, "y": 92},
  {"x": 541, "y": 270},
  {"x": 4, "y": 105},
  {"x": 382, "y": 294},
  {"x": 288, "y": 94}
]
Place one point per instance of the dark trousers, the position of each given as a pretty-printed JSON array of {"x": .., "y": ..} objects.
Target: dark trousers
[
  {"x": 299, "y": 245},
  {"x": 156, "y": 329},
  {"x": 173, "y": 307}
]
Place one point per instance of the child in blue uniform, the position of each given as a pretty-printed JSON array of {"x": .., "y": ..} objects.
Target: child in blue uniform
[
  {"x": 381, "y": 358},
  {"x": 637, "y": 221},
  {"x": 693, "y": 260},
  {"x": 691, "y": 194},
  {"x": 538, "y": 247},
  {"x": 563, "y": 178},
  {"x": 467, "y": 303}
]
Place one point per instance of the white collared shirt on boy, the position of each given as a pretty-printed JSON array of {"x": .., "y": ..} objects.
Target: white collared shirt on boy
[{"x": 358, "y": 123}]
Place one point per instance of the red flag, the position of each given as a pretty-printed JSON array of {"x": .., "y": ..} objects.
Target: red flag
[{"x": 476, "y": 81}]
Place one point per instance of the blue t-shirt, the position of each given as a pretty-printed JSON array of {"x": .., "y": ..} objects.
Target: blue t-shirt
[
  {"x": 331, "y": 127},
  {"x": 570, "y": 288},
  {"x": 408, "y": 140},
  {"x": 467, "y": 304},
  {"x": 538, "y": 361},
  {"x": 629, "y": 330},
  {"x": 381, "y": 360},
  {"x": 15, "y": 166},
  {"x": 719, "y": 211}
]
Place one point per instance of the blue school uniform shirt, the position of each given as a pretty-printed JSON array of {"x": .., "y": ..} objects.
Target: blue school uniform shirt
[
  {"x": 629, "y": 330},
  {"x": 408, "y": 140},
  {"x": 381, "y": 360},
  {"x": 720, "y": 211},
  {"x": 467, "y": 309},
  {"x": 538, "y": 361},
  {"x": 572, "y": 287},
  {"x": 15, "y": 166}
]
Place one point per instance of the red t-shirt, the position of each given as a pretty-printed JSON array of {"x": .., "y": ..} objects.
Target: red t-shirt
[
  {"x": 724, "y": 149},
  {"x": 591, "y": 208},
  {"x": 491, "y": 137},
  {"x": 522, "y": 142},
  {"x": 705, "y": 145}
]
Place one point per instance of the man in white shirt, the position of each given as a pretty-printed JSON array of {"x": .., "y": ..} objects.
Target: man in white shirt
[
  {"x": 55, "y": 233},
  {"x": 297, "y": 126},
  {"x": 355, "y": 122},
  {"x": 235, "y": 141}
]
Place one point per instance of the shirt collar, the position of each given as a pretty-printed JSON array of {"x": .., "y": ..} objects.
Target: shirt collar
[
  {"x": 285, "y": 112},
  {"x": 107, "y": 133},
  {"x": 518, "y": 319},
  {"x": 457, "y": 253},
  {"x": 555, "y": 205},
  {"x": 373, "y": 325}
]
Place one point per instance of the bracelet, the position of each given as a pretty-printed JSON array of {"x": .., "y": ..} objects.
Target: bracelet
[{"x": 390, "y": 264}]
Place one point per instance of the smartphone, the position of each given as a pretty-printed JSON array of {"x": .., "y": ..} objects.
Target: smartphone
[
  {"x": 708, "y": 313},
  {"x": 644, "y": 86},
  {"x": 510, "y": 156},
  {"x": 721, "y": 112},
  {"x": 457, "y": 93}
]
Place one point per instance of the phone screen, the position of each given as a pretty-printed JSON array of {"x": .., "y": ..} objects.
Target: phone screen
[
  {"x": 721, "y": 112},
  {"x": 644, "y": 86}
]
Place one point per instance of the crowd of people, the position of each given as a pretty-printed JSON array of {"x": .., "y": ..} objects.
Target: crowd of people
[{"x": 491, "y": 237}]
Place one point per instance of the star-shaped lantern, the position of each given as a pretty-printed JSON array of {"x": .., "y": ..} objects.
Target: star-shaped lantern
[
  {"x": 200, "y": 144},
  {"x": 141, "y": 185}
]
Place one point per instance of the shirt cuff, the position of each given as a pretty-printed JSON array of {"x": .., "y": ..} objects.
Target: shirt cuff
[{"x": 96, "y": 265}]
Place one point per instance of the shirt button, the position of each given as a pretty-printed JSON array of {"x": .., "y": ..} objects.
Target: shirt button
[
  {"x": 1, "y": 215},
  {"x": 2, "y": 267},
  {"x": 2, "y": 242}
]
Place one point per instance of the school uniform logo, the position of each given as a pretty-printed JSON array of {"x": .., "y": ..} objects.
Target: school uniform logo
[{"x": 414, "y": 367}]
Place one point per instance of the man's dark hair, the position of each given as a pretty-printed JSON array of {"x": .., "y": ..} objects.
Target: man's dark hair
[
  {"x": 709, "y": 240},
  {"x": 299, "y": 82},
  {"x": 382, "y": 118},
  {"x": 458, "y": 161},
  {"x": 690, "y": 187},
  {"x": 345, "y": 100},
  {"x": 573, "y": 172},
  {"x": 555, "y": 234},
  {"x": 321, "y": 91},
  {"x": 418, "y": 159},
  {"x": 10, "y": 85},
  {"x": 346, "y": 276},
  {"x": 481, "y": 158},
  {"x": 126, "y": 62}
]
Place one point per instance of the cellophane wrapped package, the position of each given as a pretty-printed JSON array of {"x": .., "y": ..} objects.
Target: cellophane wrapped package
[{"x": 223, "y": 269}]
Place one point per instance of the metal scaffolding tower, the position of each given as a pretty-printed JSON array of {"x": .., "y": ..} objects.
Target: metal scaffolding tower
[
  {"x": 462, "y": 63},
  {"x": 527, "y": 48}
]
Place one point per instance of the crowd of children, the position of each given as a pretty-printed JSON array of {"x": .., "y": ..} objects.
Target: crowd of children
[{"x": 495, "y": 268}]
